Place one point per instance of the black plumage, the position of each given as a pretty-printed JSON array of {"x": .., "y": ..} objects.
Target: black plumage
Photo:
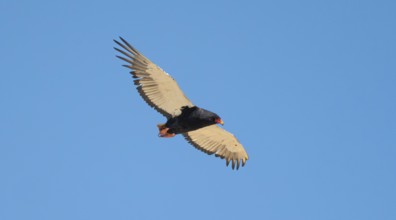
[
  {"x": 197, "y": 125},
  {"x": 190, "y": 119}
]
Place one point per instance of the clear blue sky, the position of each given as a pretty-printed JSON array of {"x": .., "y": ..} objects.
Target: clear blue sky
[{"x": 309, "y": 88}]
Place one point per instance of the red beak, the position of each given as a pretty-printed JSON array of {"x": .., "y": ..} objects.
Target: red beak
[{"x": 219, "y": 121}]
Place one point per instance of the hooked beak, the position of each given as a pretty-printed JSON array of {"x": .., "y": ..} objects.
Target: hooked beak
[{"x": 219, "y": 121}]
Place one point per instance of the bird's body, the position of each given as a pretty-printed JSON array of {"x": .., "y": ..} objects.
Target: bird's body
[
  {"x": 197, "y": 125},
  {"x": 190, "y": 119}
]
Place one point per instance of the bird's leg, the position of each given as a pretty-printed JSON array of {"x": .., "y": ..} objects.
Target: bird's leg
[
  {"x": 163, "y": 131},
  {"x": 167, "y": 135}
]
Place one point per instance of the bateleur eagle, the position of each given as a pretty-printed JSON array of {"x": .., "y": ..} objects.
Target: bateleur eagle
[{"x": 197, "y": 125}]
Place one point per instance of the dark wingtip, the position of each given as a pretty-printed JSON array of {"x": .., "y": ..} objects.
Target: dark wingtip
[
  {"x": 116, "y": 41},
  {"x": 125, "y": 42}
]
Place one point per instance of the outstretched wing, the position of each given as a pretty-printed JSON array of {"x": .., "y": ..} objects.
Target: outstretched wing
[
  {"x": 215, "y": 140},
  {"x": 156, "y": 87}
]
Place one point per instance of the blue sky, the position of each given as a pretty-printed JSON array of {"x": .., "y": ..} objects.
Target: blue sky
[{"x": 307, "y": 86}]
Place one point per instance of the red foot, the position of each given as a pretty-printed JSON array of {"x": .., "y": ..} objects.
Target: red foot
[
  {"x": 163, "y": 132},
  {"x": 167, "y": 135}
]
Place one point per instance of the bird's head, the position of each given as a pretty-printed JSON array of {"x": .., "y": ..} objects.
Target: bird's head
[
  {"x": 209, "y": 117},
  {"x": 218, "y": 120}
]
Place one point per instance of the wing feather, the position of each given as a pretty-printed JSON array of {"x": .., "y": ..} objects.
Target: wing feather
[
  {"x": 215, "y": 140},
  {"x": 154, "y": 85}
]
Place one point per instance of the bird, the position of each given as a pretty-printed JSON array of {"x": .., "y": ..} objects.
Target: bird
[{"x": 198, "y": 125}]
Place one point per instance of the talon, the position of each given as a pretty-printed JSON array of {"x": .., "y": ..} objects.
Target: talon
[
  {"x": 163, "y": 131},
  {"x": 167, "y": 135}
]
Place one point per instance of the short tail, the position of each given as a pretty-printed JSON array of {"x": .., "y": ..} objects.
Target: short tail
[{"x": 161, "y": 126}]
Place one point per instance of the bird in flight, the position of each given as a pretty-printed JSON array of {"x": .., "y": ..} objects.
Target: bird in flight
[{"x": 197, "y": 125}]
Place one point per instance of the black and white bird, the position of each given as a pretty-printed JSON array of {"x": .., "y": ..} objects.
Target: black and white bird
[{"x": 197, "y": 125}]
